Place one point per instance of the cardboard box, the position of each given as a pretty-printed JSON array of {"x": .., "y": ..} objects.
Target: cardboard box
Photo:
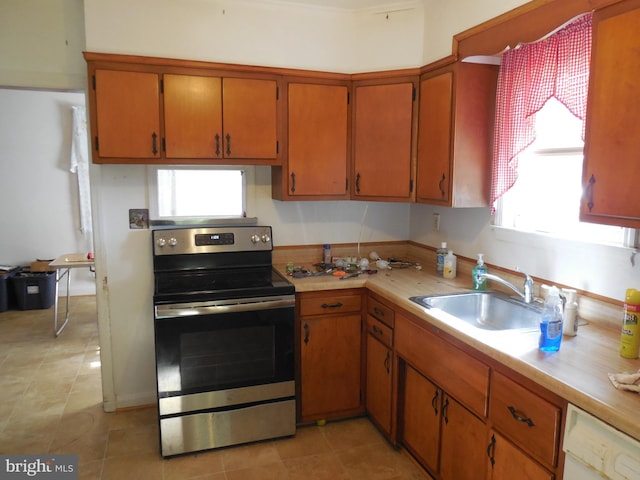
[{"x": 41, "y": 266}]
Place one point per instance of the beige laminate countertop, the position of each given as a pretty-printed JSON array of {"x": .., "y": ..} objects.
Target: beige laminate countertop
[{"x": 577, "y": 372}]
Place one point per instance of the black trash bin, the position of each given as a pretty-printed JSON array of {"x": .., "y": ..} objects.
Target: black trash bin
[
  {"x": 7, "y": 296},
  {"x": 34, "y": 290}
]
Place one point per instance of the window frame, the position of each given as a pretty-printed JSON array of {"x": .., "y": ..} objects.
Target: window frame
[{"x": 248, "y": 180}]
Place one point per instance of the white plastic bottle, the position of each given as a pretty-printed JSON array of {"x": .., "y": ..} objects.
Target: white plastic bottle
[
  {"x": 570, "y": 320},
  {"x": 450, "y": 265}
]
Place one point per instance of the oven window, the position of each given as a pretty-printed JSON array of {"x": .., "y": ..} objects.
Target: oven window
[
  {"x": 204, "y": 353},
  {"x": 244, "y": 355}
]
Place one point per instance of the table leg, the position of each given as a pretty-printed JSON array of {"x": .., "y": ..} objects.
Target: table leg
[{"x": 59, "y": 276}]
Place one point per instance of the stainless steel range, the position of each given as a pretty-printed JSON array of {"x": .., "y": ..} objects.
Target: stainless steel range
[{"x": 224, "y": 335}]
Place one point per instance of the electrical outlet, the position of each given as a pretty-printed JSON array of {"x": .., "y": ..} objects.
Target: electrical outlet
[{"x": 436, "y": 222}]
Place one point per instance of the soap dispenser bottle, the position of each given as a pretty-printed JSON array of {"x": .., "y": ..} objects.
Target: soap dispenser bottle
[
  {"x": 551, "y": 322},
  {"x": 450, "y": 265},
  {"x": 479, "y": 283}
]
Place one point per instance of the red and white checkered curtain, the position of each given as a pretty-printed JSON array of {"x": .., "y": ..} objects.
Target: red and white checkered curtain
[{"x": 557, "y": 66}]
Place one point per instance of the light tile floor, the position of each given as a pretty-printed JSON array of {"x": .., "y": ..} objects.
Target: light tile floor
[{"x": 51, "y": 402}]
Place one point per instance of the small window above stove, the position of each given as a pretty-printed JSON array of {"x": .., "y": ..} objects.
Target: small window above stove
[{"x": 197, "y": 194}]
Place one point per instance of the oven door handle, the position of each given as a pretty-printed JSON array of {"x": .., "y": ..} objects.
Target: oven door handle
[{"x": 225, "y": 306}]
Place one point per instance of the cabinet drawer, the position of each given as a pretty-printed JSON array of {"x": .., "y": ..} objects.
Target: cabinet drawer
[
  {"x": 380, "y": 311},
  {"x": 531, "y": 421},
  {"x": 453, "y": 370},
  {"x": 380, "y": 331},
  {"x": 327, "y": 305}
]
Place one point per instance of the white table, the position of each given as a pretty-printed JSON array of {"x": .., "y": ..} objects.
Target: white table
[{"x": 63, "y": 265}]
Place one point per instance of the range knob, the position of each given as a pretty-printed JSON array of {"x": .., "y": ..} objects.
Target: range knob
[
  {"x": 161, "y": 242},
  {"x": 255, "y": 238},
  {"x": 265, "y": 238},
  {"x": 173, "y": 242}
]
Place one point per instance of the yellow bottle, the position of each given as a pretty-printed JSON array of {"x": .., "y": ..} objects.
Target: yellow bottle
[{"x": 630, "y": 339}]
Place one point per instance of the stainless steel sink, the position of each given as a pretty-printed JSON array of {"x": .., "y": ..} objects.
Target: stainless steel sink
[{"x": 486, "y": 310}]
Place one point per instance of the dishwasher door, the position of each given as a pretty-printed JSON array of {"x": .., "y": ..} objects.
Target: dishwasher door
[{"x": 596, "y": 450}]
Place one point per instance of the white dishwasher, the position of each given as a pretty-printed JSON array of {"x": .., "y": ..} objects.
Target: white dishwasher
[{"x": 596, "y": 450}]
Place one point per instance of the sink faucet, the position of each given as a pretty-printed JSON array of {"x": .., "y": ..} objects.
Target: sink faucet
[{"x": 526, "y": 294}]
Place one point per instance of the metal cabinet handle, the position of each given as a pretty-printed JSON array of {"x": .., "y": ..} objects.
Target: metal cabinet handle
[
  {"x": 589, "y": 192},
  {"x": 228, "y": 138},
  {"x": 293, "y": 182},
  {"x": 154, "y": 143},
  {"x": 217, "y": 137},
  {"x": 378, "y": 312},
  {"x": 306, "y": 333},
  {"x": 387, "y": 362},
  {"x": 434, "y": 402},
  {"x": 377, "y": 330},
  {"x": 358, "y": 183},
  {"x": 445, "y": 408},
  {"x": 331, "y": 305},
  {"x": 441, "y": 184},
  {"x": 519, "y": 416},
  {"x": 491, "y": 450}
]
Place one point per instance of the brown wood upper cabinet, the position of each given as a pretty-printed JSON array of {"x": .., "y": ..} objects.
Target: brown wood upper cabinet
[
  {"x": 148, "y": 110},
  {"x": 611, "y": 169},
  {"x": 384, "y": 140},
  {"x": 317, "y": 165},
  {"x": 220, "y": 118},
  {"x": 127, "y": 115},
  {"x": 455, "y": 135}
]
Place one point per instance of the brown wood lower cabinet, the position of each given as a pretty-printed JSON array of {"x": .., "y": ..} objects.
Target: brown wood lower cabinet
[
  {"x": 507, "y": 462},
  {"x": 380, "y": 365},
  {"x": 442, "y": 434},
  {"x": 330, "y": 346},
  {"x": 464, "y": 416}
]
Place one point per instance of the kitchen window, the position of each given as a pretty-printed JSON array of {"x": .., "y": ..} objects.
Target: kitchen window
[
  {"x": 538, "y": 149},
  {"x": 182, "y": 193},
  {"x": 546, "y": 196}
]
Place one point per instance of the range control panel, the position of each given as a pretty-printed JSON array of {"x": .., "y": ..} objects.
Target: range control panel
[{"x": 180, "y": 241}]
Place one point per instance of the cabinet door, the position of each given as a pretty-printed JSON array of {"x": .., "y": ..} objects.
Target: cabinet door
[
  {"x": 463, "y": 444},
  {"x": 506, "y": 462},
  {"x": 193, "y": 116},
  {"x": 127, "y": 114},
  {"x": 383, "y": 141},
  {"x": 318, "y": 148},
  {"x": 330, "y": 364},
  {"x": 434, "y": 139},
  {"x": 379, "y": 383},
  {"x": 421, "y": 418},
  {"x": 250, "y": 118},
  {"x": 611, "y": 172}
]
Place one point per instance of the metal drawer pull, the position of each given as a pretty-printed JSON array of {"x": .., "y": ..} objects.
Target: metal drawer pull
[
  {"x": 331, "y": 305},
  {"x": 445, "y": 409},
  {"x": 518, "y": 416},
  {"x": 377, "y": 330},
  {"x": 491, "y": 449},
  {"x": 378, "y": 312},
  {"x": 434, "y": 402},
  {"x": 387, "y": 362}
]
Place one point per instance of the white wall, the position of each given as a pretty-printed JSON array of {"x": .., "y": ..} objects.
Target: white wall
[
  {"x": 40, "y": 44},
  {"x": 38, "y": 193},
  {"x": 256, "y": 32}
]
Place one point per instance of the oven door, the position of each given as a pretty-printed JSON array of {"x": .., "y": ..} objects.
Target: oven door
[{"x": 217, "y": 354}]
